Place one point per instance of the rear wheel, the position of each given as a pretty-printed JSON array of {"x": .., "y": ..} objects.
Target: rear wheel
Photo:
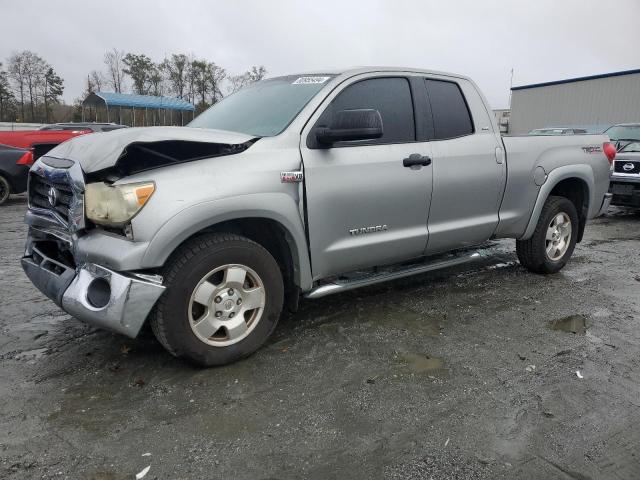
[
  {"x": 224, "y": 297},
  {"x": 5, "y": 190},
  {"x": 553, "y": 241}
]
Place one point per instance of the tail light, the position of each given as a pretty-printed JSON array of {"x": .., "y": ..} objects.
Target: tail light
[
  {"x": 26, "y": 159},
  {"x": 609, "y": 150}
]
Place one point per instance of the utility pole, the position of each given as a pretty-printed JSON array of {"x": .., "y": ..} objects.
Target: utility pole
[{"x": 510, "y": 89}]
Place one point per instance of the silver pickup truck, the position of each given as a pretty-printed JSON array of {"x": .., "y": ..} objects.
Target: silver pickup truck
[{"x": 302, "y": 185}]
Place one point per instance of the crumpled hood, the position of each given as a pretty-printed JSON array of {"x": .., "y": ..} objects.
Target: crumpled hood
[{"x": 98, "y": 151}]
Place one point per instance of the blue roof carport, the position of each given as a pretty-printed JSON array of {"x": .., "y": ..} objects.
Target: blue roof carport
[{"x": 117, "y": 101}]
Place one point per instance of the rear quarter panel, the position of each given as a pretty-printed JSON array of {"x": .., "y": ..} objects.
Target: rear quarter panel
[{"x": 535, "y": 164}]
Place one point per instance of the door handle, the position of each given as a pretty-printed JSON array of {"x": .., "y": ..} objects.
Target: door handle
[{"x": 415, "y": 159}]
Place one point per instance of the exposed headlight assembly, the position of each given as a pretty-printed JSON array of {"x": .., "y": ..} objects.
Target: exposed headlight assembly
[{"x": 116, "y": 205}]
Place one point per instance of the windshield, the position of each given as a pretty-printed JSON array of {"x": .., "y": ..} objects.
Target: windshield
[
  {"x": 263, "y": 109},
  {"x": 623, "y": 132},
  {"x": 631, "y": 147}
]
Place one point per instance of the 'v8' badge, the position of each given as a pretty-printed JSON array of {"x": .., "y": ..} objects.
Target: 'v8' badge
[{"x": 291, "y": 177}]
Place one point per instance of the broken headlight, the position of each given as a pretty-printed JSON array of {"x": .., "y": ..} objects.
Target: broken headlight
[{"x": 116, "y": 205}]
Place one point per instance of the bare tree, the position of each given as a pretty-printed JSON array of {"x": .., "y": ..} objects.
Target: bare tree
[
  {"x": 17, "y": 75},
  {"x": 199, "y": 71},
  {"x": 90, "y": 87},
  {"x": 114, "y": 60},
  {"x": 255, "y": 74},
  {"x": 34, "y": 73},
  {"x": 157, "y": 80},
  {"x": 177, "y": 70},
  {"x": 139, "y": 68},
  {"x": 36, "y": 84},
  {"x": 191, "y": 79},
  {"x": 53, "y": 87},
  {"x": 27, "y": 70},
  {"x": 6, "y": 96},
  {"x": 215, "y": 77},
  {"x": 98, "y": 81}
]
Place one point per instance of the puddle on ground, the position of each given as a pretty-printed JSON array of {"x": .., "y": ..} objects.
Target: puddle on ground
[
  {"x": 405, "y": 319},
  {"x": 387, "y": 316},
  {"x": 572, "y": 324},
  {"x": 422, "y": 363}
]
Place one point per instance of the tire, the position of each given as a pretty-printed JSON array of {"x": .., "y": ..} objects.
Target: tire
[
  {"x": 5, "y": 190},
  {"x": 545, "y": 255},
  {"x": 200, "y": 315}
]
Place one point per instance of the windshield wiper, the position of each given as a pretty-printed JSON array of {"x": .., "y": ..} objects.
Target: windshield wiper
[{"x": 619, "y": 141}]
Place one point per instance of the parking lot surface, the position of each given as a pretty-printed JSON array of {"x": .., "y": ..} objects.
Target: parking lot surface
[{"x": 482, "y": 371}]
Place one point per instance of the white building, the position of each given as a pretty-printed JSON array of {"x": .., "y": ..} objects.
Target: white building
[{"x": 598, "y": 101}]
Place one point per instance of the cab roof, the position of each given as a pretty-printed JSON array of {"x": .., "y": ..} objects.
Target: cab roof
[{"x": 349, "y": 72}]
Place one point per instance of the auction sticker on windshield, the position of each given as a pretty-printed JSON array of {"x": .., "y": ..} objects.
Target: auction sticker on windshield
[{"x": 309, "y": 80}]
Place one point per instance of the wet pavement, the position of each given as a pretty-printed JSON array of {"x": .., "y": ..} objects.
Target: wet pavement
[{"x": 470, "y": 373}]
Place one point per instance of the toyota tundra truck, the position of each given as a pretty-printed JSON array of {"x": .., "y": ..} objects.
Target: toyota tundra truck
[{"x": 297, "y": 186}]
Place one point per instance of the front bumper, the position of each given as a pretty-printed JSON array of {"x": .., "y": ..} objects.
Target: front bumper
[
  {"x": 625, "y": 190},
  {"x": 94, "y": 294}
]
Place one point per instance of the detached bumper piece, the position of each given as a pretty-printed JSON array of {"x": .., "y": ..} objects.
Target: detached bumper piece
[
  {"x": 48, "y": 272},
  {"x": 94, "y": 294},
  {"x": 605, "y": 204}
]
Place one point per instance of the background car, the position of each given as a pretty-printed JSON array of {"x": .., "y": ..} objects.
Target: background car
[
  {"x": 14, "y": 170},
  {"x": 625, "y": 175},
  {"x": 557, "y": 131},
  {"x": 94, "y": 127},
  {"x": 39, "y": 141},
  {"x": 623, "y": 134}
]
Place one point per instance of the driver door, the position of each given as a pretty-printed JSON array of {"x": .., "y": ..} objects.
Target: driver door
[{"x": 365, "y": 207}]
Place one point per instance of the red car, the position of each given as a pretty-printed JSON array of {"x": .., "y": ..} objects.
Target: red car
[{"x": 39, "y": 141}]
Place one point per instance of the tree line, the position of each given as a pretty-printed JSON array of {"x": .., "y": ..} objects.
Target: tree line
[
  {"x": 196, "y": 80},
  {"x": 30, "y": 87}
]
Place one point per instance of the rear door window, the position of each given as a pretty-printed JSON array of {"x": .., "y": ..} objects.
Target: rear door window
[
  {"x": 390, "y": 96},
  {"x": 449, "y": 108}
]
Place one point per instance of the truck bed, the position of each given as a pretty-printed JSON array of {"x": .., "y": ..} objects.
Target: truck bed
[{"x": 535, "y": 158}]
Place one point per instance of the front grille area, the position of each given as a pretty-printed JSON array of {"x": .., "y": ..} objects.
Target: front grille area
[
  {"x": 631, "y": 166},
  {"x": 39, "y": 194}
]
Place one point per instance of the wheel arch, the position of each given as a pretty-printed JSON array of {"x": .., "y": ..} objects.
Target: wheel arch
[
  {"x": 574, "y": 182},
  {"x": 274, "y": 229}
]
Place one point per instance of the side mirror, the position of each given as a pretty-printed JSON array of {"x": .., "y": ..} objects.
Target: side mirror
[{"x": 348, "y": 125}]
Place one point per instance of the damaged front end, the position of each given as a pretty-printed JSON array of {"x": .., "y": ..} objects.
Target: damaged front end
[
  {"x": 62, "y": 231},
  {"x": 142, "y": 156}
]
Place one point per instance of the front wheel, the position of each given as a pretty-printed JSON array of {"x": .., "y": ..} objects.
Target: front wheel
[
  {"x": 553, "y": 241},
  {"x": 223, "y": 299}
]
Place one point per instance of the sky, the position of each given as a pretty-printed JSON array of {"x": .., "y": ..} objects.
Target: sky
[{"x": 541, "y": 40}]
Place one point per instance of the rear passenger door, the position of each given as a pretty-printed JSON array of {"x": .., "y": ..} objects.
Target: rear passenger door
[{"x": 469, "y": 172}]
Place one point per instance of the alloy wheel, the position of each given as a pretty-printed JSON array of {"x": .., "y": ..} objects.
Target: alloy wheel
[
  {"x": 558, "y": 237},
  {"x": 226, "y": 305}
]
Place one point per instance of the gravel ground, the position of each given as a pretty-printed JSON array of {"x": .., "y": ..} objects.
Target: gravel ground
[{"x": 469, "y": 373}]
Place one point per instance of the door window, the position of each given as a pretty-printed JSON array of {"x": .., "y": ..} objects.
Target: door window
[
  {"x": 451, "y": 115},
  {"x": 390, "y": 96}
]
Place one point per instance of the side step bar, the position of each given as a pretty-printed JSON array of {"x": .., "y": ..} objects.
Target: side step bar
[{"x": 342, "y": 285}]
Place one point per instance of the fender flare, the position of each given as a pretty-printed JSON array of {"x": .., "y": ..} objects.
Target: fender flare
[
  {"x": 581, "y": 172},
  {"x": 278, "y": 207}
]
